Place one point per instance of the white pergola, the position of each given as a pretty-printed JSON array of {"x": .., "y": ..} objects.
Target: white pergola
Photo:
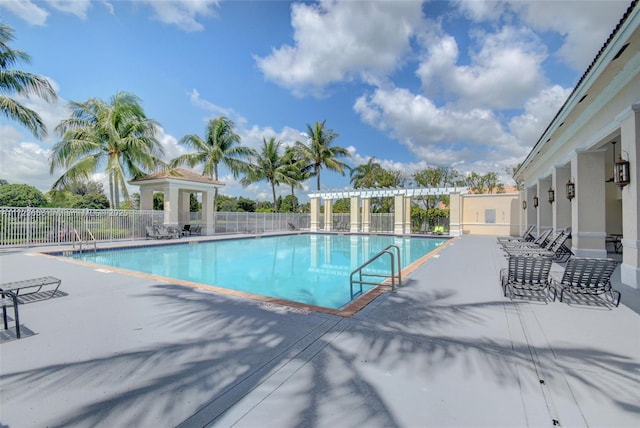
[
  {"x": 177, "y": 184},
  {"x": 360, "y": 219}
]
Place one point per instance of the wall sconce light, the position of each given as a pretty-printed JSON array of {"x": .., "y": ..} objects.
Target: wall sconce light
[
  {"x": 535, "y": 202},
  {"x": 571, "y": 190},
  {"x": 524, "y": 205},
  {"x": 552, "y": 195},
  {"x": 621, "y": 173}
]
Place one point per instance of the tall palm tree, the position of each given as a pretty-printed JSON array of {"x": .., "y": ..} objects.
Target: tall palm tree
[
  {"x": 319, "y": 152},
  {"x": 270, "y": 165},
  {"x": 296, "y": 162},
  {"x": 116, "y": 136},
  {"x": 221, "y": 145},
  {"x": 366, "y": 174},
  {"x": 21, "y": 83}
]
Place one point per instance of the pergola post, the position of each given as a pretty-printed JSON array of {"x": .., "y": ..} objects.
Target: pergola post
[
  {"x": 314, "y": 225},
  {"x": 328, "y": 214},
  {"x": 366, "y": 215},
  {"x": 355, "y": 214}
]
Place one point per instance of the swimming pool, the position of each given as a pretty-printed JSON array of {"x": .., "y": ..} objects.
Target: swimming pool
[{"x": 311, "y": 269}]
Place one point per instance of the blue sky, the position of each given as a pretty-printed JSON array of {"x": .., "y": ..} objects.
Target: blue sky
[{"x": 468, "y": 84}]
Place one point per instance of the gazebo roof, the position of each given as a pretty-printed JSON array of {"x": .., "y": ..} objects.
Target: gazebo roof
[{"x": 179, "y": 177}]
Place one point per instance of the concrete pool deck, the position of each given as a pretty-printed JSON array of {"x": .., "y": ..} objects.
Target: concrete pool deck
[{"x": 447, "y": 349}]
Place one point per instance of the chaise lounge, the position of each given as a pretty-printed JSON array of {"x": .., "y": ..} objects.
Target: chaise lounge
[{"x": 592, "y": 276}]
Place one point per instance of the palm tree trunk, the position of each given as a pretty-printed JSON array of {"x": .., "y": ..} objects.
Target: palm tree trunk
[
  {"x": 273, "y": 192},
  {"x": 318, "y": 177},
  {"x": 111, "y": 191}
]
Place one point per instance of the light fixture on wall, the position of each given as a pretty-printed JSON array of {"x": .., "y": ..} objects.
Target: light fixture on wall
[
  {"x": 524, "y": 205},
  {"x": 571, "y": 190},
  {"x": 621, "y": 172},
  {"x": 551, "y": 194},
  {"x": 535, "y": 202}
]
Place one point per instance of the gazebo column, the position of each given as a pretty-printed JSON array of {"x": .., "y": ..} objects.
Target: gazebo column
[
  {"x": 366, "y": 215},
  {"x": 184, "y": 202},
  {"x": 171, "y": 205},
  {"x": 207, "y": 213},
  {"x": 146, "y": 198},
  {"x": 314, "y": 225},
  {"x": 630, "y": 141},
  {"x": 355, "y": 214},
  {"x": 455, "y": 214},
  {"x": 328, "y": 214},
  {"x": 588, "y": 218}
]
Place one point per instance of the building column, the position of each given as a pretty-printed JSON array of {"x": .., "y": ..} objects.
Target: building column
[
  {"x": 455, "y": 214},
  {"x": 146, "y": 198},
  {"x": 366, "y": 215},
  {"x": 328, "y": 214},
  {"x": 522, "y": 216},
  {"x": 207, "y": 213},
  {"x": 355, "y": 214},
  {"x": 562, "y": 205},
  {"x": 545, "y": 216},
  {"x": 630, "y": 141},
  {"x": 588, "y": 216},
  {"x": 171, "y": 206}
]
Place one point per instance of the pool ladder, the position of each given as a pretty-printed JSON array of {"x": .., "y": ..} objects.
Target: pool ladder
[
  {"x": 361, "y": 276},
  {"x": 78, "y": 239}
]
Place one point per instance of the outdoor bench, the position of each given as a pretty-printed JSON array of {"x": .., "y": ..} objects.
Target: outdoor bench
[{"x": 31, "y": 286}]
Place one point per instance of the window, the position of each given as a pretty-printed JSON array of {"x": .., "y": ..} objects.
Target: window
[{"x": 490, "y": 216}]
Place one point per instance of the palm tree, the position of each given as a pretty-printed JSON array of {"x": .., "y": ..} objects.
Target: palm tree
[
  {"x": 271, "y": 166},
  {"x": 21, "y": 83},
  {"x": 319, "y": 152},
  {"x": 116, "y": 136},
  {"x": 296, "y": 173},
  {"x": 221, "y": 145},
  {"x": 366, "y": 174}
]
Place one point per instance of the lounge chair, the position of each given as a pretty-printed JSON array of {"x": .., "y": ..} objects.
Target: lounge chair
[
  {"x": 554, "y": 248},
  {"x": 526, "y": 274},
  {"x": 196, "y": 229},
  {"x": 8, "y": 298},
  {"x": 160, "y": 232},
  {"x": 540, "y": 241},
  {"x": 527, "y": 236},
  {"x": 584, "y": 275}
]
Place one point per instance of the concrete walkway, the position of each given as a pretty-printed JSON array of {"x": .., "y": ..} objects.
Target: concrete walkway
[{"x": 446, "y": 350}]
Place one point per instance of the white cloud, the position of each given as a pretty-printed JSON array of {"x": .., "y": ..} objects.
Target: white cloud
[
  {"x": 23, "y": 161},
  {"x": 584, "y": 26},
  {"x": 184, "y": 14},
  {"x": 504, "y": 71},
  {"x": 26, "y": 10},
  {"x": 337, "y": 40},
  {"x": 78, "y": 8}
]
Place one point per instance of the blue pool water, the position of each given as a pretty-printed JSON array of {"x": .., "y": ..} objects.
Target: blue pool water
[{"x": 312, "y": 269}]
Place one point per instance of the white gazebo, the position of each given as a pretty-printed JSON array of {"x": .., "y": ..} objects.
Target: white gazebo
[
  {"x": 360, "y": 217},
  {"x": 177, "y": 184}
]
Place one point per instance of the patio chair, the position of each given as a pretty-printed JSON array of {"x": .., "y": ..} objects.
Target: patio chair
[
  {"x": 526, "y": 274},
  {"x": 8, "y": 298},
  {"x": 592, "y": 276},
  {"x": 196, "y": 229}
]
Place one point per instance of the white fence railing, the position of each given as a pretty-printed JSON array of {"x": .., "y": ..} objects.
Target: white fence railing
[{"x": 41, "y": 226}]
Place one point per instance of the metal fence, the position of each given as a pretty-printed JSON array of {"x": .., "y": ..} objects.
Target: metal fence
[{"x": 40, "y": 226}]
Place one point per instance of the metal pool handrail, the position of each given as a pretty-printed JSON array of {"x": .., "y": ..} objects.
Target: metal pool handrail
[
  {"x": 359, "y": 270},
  {"x": 78, "y": 239}
]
